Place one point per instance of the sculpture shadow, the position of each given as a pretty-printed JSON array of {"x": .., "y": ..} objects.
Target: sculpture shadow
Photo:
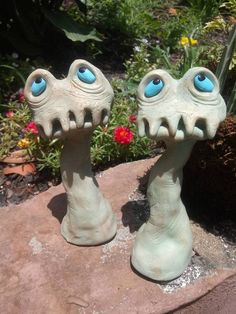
[
  {"x": 136, "y": 212},
  {"x": 57, "y": 206}
]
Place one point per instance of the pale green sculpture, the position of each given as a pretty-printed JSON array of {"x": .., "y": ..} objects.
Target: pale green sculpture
[
  {"x": 70, "y": 109},
  {"x": 180, "y": 112}
]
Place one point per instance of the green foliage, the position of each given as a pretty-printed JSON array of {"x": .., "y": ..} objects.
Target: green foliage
[
  {"x": 139, "y": 63},
  {"x": 230, "y": 7},
  {"x": 73, "y": 30},
  {"x": 231, "y": 105},
  {"x": 150, "y": 56},
  {"x": 171, "y": 35},
  {"x": 204, "y": 9},
  {"x": 224, "y": 65},
  {"x": 224, "y": 68},
  {"x": 47, "y": 154},
  {"x": 31, "y": 26},
  {"x": 11, "y": 128},
  {"x": 129, "y": 17},
  {"x": 13, "y": 74},
  {"x": 105, "y": 149}
]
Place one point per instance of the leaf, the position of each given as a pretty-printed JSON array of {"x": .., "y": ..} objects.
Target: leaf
[
  {"x": 15, "y": 70},
  {"x": 73, "y": 30}
]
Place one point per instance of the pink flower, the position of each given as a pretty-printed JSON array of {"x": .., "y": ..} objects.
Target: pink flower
[
  {"x": 132, "y": 118},
  {"x": 123, "y": 135},
  {"x": 21, "y": 96},
  {"x": 9, "y": 114},
  {"x": 32, "y": 128}
]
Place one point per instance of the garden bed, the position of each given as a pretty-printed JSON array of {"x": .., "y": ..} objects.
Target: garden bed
[{"x": 126, "y": 39}]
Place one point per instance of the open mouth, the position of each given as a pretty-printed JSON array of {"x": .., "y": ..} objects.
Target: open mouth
[
  {"x": 178, "y": 128},
  {"x": 63, "y": 125}
]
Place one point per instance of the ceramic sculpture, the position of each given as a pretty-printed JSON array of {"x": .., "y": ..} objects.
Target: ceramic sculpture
[
  {"x": 179, "y": 112},
  {"x": 70, "y": 109}
]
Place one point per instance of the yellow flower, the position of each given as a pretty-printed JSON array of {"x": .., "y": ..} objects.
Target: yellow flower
[
  {"x": 24, "y": 143},
  {"x": 184, "y": 41}
]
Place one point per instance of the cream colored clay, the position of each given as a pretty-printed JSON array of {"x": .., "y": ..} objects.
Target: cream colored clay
[
  {"x": 180, "y": 114},
  {"x": 70, "y": 109}
]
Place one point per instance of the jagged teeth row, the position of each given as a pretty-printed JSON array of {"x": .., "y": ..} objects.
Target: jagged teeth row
[
  {"x": 70, "y": 121},
  {"x": 177, "y": 126}
]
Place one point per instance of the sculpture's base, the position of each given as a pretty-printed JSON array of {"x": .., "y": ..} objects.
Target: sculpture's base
[
  {"x": 163, "y": 254},
  {"x": 92, "y": 235},
  {"x": 42, "y": 273}
]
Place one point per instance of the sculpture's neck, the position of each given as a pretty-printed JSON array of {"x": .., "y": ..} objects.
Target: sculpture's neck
[
  {"x": 75, "y": 157},
  {"x": 77, "y": 176},
  {"x": 165, "y": 182}
]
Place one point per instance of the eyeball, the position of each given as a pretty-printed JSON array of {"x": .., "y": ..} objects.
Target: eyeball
[
  {"x": 86, "y": 75},
  {"x": 38, "y": 86},
  {"x": 203, "y": 84},
  {"x": 154, "y": 87}
]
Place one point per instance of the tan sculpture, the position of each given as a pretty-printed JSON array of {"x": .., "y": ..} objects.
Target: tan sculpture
[
  {"x": 180, "y": 112},
  {"x": 70, "y": 109}
]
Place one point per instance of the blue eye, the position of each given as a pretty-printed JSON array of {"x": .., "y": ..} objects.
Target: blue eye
[
  {"x": 203, "y": 83},
  {"x": 38, "y": 86},
  {"x": 85, "y": 75},
  {"x": 154, "y": 87}
]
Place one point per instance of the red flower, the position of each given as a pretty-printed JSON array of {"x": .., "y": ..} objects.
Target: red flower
[
  {"x": 132, "y": 118},
  {"x": 9, "y": 114},
  {"x": 32, "y": 128},
  {"x": 21, "y": 96},
  {"x": 123, "y": 135}
]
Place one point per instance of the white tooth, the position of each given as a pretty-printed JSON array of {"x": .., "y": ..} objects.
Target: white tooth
[
  {"x": 79, "y": 119},
  {"x": 173, "y": 124},
  {"x": 105, "y": 120},
  {"x": 141, "y": 127},
  {"x": 179, "y": 135},
  {"x": 211, "y": 129},
  {"x": 47, "y": 127},
  {"x": 154, "y": 127},
  {"x": 189, "y": 123},
  {"x": 72, "y": 125},
  {"x": 104, "y": 117},
  {"x": 57, "y": 134},
  {"x": 198, "y": 133},
  {"x": 162, "y": 132},
  {"x": 65, "y": 124},
  {"x": 88, "y": 125}
]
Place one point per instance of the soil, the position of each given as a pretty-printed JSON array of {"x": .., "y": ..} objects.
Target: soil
[
  {"x": 210, "y": 181},
  {"x": 15, "y": 188}
]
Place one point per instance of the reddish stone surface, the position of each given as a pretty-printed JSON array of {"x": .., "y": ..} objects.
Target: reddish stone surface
[{"x": 41, "y": 273}]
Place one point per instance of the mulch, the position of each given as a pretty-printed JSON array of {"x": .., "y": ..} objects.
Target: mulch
[{"x": 16, "y": 188}]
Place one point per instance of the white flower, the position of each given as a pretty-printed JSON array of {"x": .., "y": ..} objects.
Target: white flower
[{"x": 145, "y": 41}]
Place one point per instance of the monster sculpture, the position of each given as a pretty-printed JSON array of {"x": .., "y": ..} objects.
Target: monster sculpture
[
  {"x": 70, "y": 109},
  {"x": 179, "y": 112}
]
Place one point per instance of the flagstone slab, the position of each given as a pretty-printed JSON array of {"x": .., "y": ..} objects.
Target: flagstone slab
[{"x": 40, "y": 273}]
